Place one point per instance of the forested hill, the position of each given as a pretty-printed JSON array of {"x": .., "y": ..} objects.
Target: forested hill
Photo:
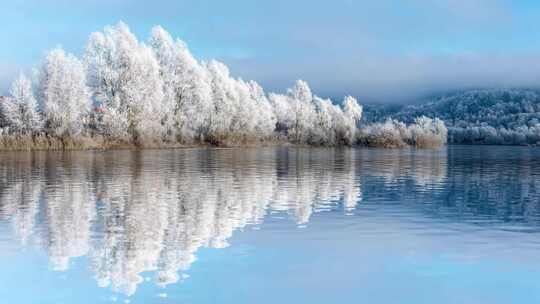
[{"x": 510, "y": 116}]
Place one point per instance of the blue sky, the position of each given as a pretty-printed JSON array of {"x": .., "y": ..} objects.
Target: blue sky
[{"x": 376, "y": 50}]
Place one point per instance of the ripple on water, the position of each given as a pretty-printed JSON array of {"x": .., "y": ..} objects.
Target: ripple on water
[{"x": 133, "y": 212}]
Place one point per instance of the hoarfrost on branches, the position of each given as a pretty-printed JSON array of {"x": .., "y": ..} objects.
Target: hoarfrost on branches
[{"x": 125, "y": 91}]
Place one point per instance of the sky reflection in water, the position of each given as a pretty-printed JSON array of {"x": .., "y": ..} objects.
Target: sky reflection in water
[{"x": 457, "y": 225}]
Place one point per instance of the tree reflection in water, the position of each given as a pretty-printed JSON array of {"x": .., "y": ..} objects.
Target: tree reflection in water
[{"x": 150, "y": 211}]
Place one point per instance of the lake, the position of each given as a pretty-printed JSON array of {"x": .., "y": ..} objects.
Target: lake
[{"x": 271, "y": 225}]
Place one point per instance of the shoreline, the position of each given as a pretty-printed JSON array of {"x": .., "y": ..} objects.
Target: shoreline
[
  {"x": 236, "y": 146},
  {"x": 135, "y": 147}
]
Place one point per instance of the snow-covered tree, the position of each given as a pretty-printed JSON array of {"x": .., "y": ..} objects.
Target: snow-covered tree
[
  {"x": 303, "y": 109},
  {"x": 353, "y": 114},
  {"x": 18, "y": 113},
  {"x": 23, "y": 97},
  {"x": 63, "y": 93},
  {"x": 10, "y": 120},
  {"x": 265, "y": 122},
  {"x": 125, "y": 77},
  {"x": 307, "y": 118},
  {"x": 427, "y": 132},
  {"x": 423, "y": 133},
  {"x": 225, "y": 102},
  {"x": 328, "y": 122},
  {"x": 390, "y": 134},
  {"x": 285, "y": 117},
  {"x": 186, "y": 87},
  {"x": 295, "y": 112}
]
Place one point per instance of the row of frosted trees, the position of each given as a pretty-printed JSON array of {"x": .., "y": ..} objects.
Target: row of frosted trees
[
  {"x": 425, "y": 132},
  {"x": 125, "y": 91}
]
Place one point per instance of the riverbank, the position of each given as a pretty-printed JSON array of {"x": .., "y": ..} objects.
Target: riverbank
[{"x": 51, "y": 143}]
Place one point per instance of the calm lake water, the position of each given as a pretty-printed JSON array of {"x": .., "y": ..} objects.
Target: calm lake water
[{"x": 271, "y": 225}]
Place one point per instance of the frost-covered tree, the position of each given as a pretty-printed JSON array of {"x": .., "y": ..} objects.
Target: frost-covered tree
[
  {"x": 423, "y": 133},
  {"x": 63, "y": 93},
  {"x": 306, "y": 118},
  {"x": 325, "y": 129},
  {"x": 18, "y": 113},
  {"x": 223, "y": 116},
  {"x": 283, "y": 112},
  {"x": 265, "y": 121},
  {"x": 295, "y": 112},
  {"x": 26, "y": 105},
  {"x": 125, "y": 77},
  {"x": 303, "y": 109},
  {"x": 390, "y": 134},
  {"x": 10, "y": 120},
  {"x": 427, "y": 132},
  {"x": 353, "y": 114},
  {"x": 186, "y": 87},
  {"x": 105, "y": 59},
  {"x": 144, "y": 97}
]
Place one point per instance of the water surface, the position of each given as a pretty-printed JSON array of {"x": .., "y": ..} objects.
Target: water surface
[{"x": 271, "y": 225}]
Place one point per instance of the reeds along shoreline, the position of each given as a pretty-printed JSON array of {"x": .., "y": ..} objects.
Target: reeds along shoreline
[{"x": 43, "y": 142}]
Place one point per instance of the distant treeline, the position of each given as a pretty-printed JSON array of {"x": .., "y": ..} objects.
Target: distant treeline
[
  {"x": 124, "y": 92},
  {"x": 496, "y": 117}
]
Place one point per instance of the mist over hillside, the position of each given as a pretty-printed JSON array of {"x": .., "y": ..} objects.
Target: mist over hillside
[{"x": 489, "y": 116}]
